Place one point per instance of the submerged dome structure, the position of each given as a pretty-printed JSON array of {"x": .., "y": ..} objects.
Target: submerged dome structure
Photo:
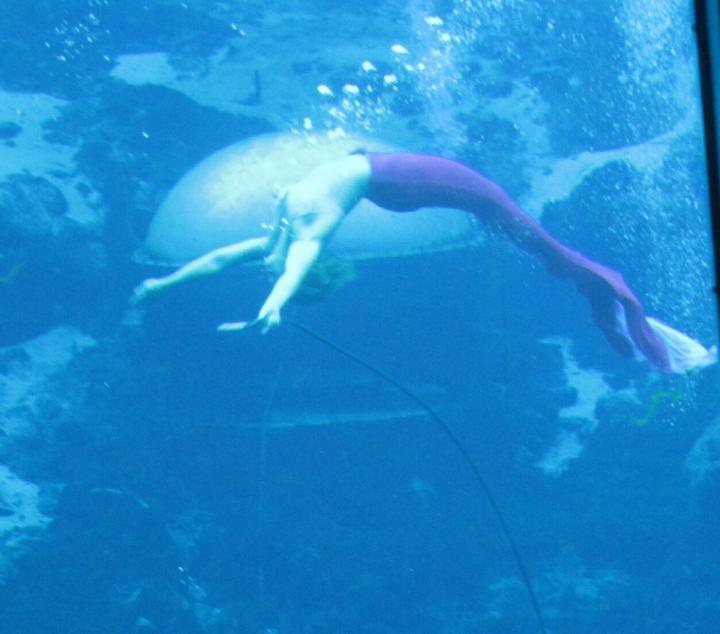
[{"x": 231, "y": 196}]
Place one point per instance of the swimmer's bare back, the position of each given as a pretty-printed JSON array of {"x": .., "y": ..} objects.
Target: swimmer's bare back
[{"x": 328, "y": 192}]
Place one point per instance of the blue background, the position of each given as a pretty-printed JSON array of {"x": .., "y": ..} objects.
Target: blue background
[{"x": 185, "y": 506}]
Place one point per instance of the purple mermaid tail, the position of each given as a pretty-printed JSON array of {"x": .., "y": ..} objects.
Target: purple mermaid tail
[{"x": 407, "y": 182}]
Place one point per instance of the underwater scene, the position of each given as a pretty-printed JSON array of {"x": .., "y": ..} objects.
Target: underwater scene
[{"x": 356, "y": 318}]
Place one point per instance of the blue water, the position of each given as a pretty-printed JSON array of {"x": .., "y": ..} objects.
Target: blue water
[{"x": 193, "y": 481}]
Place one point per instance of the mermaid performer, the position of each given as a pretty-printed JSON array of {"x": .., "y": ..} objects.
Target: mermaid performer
[{"x": 311, "y": 210}]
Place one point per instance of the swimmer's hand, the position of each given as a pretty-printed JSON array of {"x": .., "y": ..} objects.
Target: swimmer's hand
[
  {"x": 145, "y": 290},
  {"x": 231, "y": 326},
  {"x": 266, "y": 321}
]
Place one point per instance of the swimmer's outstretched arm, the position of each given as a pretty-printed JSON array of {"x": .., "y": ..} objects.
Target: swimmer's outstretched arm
[
  {"x": 301, "y": 255},
  {"x": 208, "y": 264}
]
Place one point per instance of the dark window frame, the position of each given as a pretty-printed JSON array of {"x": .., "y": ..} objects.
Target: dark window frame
[{"x": 707, "y": 30}]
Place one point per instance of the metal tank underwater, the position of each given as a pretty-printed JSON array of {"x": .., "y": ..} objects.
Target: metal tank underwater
[{"x": 441, "y": 435}]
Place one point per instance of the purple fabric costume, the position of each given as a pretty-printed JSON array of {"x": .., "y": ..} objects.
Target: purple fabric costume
[{"x": 407, "y": 182}]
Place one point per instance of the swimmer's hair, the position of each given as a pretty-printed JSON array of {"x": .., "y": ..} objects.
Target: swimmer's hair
[
  {"x": 359, "y": 151},
  {"x": 328, "y": 273}
]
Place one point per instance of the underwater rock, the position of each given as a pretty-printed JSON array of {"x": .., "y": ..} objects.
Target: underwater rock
[
  {"x": 42, "y": 192},
  {"x": 704, "y": 457},
  {"x": 34, "y": 397},
  {"x": 133, "y": 143},
  {"x": 580, "y": 417},
  {"x": 31, "y": 209},
  {"x": 231, "y": 196},
  {"x": 9, "y": 130},
  {"x": 50, "y": 255},
  {"x": 144, "y": 625},
  {"x": 70, "y": 62},
  {"x": 27, "y": 371},
  {"x": 20, "y": 516}
]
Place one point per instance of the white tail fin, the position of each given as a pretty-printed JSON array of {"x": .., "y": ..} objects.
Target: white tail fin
[{"x": 684, "y": 352}]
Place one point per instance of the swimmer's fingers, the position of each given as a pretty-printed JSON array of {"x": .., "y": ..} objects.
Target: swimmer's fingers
[
  {"x": 231, "y": 326},
  {"x": 269, "y": 318},
  {"x": 265, "y": 321},
  {"x": 269, "y": 322}
]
